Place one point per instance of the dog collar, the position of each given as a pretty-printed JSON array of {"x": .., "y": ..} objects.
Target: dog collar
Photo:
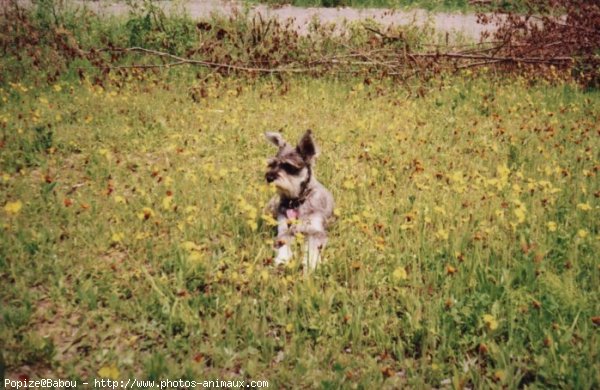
[
  {"x": 291, "y": 203},
  {"x": 290, "y": 206}
]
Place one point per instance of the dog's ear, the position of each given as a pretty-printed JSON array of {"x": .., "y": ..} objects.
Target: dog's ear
[
  {"x": 307, "y": 147},
  {"x": 275, "y": 138}
]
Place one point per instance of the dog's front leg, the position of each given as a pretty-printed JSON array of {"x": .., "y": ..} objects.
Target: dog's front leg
[
  {"x": 312, "y": 254},
  {"x": 284, "y": 241},
  {"x": 314, "y": 230}
]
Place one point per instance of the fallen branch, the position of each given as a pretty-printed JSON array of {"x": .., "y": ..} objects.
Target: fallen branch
[
  {"x": 388, "y": 59},
  {"x": 183, "y": 61},
  {"x": 526, "y": 60}
]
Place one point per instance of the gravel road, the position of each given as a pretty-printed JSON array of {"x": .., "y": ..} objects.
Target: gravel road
[{"x": 452, "y": 23}]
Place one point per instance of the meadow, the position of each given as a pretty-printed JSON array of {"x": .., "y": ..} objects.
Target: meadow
[{"x": 465, "y": 250}]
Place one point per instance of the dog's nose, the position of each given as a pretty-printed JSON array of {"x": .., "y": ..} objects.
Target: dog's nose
[{"x": 271, "y": 176}]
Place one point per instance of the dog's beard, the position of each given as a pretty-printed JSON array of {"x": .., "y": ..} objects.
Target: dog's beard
[{"x": 290, "y": 186}]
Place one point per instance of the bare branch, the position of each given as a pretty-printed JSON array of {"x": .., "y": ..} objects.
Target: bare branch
[{"x": 392, "y": 60}]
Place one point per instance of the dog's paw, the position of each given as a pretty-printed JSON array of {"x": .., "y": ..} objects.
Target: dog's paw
[{"x": 284, "y": 254}]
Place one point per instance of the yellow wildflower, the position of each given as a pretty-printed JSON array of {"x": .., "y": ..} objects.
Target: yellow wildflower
[
  {"x": 13, "y": 207},
  {"x": 584, "y": 206},
  {"x": 442, "y": 234},
  {"x": 117, "y": 237},
  {"x": 110, "y": 372},
  {"x": 499, "y": 376},
  {"x": 166, "y": 202},
  {"x": 146, "y": 213},
  {"x": 269, "y": 220},
  {"x": 490, "y": 321},
  {"x": 400, "y": 274}
]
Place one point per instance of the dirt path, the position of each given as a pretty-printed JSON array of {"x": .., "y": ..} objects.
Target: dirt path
[{"x": 452, "y": 23}]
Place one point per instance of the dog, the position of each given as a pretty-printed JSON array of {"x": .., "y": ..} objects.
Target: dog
[{"x": 302, "y": 205}]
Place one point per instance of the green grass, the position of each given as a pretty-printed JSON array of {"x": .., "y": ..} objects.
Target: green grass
[{"x": 465, "y": 251}]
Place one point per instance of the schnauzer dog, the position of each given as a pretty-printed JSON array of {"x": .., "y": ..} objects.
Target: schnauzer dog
[{"x": 303, "y": 205}]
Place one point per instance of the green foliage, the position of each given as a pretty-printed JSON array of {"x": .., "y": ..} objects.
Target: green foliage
[
  {"x": 138, "y": 28},
  {"x": 149, "y": 27}
]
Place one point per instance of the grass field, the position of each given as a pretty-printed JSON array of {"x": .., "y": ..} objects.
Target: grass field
[{"x": 465, "y": 251}]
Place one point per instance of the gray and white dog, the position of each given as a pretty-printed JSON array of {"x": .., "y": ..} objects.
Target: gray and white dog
[{"x": 303, "y": 205}]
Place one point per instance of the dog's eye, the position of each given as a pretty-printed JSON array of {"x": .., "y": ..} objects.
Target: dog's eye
[{"x": 291, "y": 169}]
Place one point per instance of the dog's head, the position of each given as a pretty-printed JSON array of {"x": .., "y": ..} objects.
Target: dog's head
[{"x": 291, "y": 168}]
